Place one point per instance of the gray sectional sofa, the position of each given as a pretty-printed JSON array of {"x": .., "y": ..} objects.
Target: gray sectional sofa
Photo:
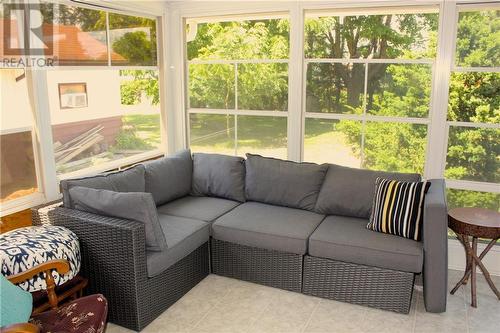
[{"x": 295, "y": 226}]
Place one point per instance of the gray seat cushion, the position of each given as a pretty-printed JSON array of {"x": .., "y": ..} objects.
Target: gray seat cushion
[
  {"x": 130, "y": 180},
  {"x": 183, "y": 237},
  {"x": 266, "y": 226},
  {"x": 347, "y": 239},
  {"x": 199, "y": 208},
  {"x": 283, "y": 183},
  {"x": 137, "y": 206},
  {"x": 349, "y": 191},
  {"x": 169, "y": 178},
  {"x": 221, "y": 176}
]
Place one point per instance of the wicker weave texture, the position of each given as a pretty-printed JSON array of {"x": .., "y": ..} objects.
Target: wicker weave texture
[
  {"x": 114, "y": 261},
  {"x": 271, "y": 268},
  {"x": 365, "y": 285},
  {"x": 39, "y": 214}
]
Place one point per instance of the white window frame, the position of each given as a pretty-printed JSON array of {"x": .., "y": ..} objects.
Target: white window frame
[
  {"x": 47, "y": 178},
  {"x": 458, "y": 184},
  {"x": 236, "y": 111}
]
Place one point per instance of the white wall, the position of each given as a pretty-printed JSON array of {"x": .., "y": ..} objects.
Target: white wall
[
  {"x": 14, "y": 101},
  {"x": 103, "y": 94}
]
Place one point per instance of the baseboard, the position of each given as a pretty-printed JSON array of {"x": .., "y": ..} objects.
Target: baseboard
[{"x": 456, "y": 257}]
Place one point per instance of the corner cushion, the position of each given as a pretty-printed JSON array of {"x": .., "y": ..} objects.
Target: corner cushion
[
  {"x": 183, "y": 237},
  {"x": 169, "y": 178},
  {"x": 266, "y": 226},
  {"x": 221, "y": 176},
  {"x": 347, "y": 239},
  {"x": 199, "y": 208}
]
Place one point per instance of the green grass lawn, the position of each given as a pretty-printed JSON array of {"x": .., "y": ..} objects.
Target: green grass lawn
[{"x": 140, "y": 132}]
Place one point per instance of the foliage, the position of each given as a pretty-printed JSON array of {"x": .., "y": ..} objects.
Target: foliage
[
  {"x": 136, "y": 82},
  {"x": 478, "y": 38},
  {"x": 136, "y": 47},
  {"x": 401, "y": 90},
  {"x": 127, "y": 140}
]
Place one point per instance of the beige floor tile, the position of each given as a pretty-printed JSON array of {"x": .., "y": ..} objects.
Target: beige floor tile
[
  {"x": 219, "y": 304},
  {"x": 486, "y": 317},
  {"x": 453, "y": 320},
  {"x": 238, "y": 309},
  {"x": 287, "y": 312}
]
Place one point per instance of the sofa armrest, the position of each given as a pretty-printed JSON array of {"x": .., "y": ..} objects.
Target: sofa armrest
[
  {"x": 113, "y": 252},
  {"x": 435, "y": 239}
]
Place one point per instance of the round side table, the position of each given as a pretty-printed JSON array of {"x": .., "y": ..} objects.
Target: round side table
[{"x": 475, "y": 223}]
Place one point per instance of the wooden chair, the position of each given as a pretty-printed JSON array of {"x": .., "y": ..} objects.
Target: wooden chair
[{"x": 57, "y": 319}]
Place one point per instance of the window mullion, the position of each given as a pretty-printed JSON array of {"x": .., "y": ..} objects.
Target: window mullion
[
  {"x": 437, "y": 140},
  {"x": 296, "y": 85},
  {"x": 37, "y": 86}
]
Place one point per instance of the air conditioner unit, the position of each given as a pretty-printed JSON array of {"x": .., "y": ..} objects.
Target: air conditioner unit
[{"x": 74, "y": 100}]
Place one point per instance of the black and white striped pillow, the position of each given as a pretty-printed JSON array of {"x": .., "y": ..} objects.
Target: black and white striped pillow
[{"x": 398, "y": 208}]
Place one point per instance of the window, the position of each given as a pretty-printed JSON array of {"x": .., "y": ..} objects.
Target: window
[
  {"x": 106, "y": 114},
  {"x": 368, "y": 87},
  {"x": 473, "y": 154},
  {"x": 18, "y": 156},
  {"x": 238, "y": 84},
  {"x": 72, "y": 95}
]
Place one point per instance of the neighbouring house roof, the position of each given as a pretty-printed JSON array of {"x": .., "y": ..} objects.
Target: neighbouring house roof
[{"x": 69, "y": 43}]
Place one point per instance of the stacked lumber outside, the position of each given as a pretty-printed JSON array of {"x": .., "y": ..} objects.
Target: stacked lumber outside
[{"x": 74, "y": 147}]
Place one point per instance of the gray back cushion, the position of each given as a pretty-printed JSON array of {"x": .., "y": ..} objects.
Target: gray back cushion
[
  {"x": 138, "y": 206},
  {"x": 349, "y": 191},
  {"x": 130, "y": 180},
  {"x": 169, "y": 178},
  {"x": 283, "y": 183},
  {"x": 220, "y": 176}
]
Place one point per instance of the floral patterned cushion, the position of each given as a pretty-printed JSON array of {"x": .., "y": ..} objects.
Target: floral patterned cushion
[
  {"x": 24, "y": 248},
  {"x": 86, "y": 315}
]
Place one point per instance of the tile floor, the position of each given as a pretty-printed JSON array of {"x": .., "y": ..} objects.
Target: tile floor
[{"x": 220, "y": 304}]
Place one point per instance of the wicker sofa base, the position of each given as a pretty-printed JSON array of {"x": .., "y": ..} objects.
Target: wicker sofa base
[
  {"x": 162, "y": 291},
  {"x": 271, "y": 268},
  {"x": 364, "y": 285}
]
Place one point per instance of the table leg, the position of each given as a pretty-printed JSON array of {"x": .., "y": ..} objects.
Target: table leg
[
  {"x": 464, "y": 240},
  {"x": 473, "y": 252},
  {"x": 486, "y": 274}
]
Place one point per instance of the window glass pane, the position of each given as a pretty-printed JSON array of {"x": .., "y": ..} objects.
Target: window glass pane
[
  {"x": 251, "y": 39},
  {"x": 463, "y": 198},
  {"x": 478, "y": 39},
  {"x": 335, "y": 88},
  {"x": 328, "y": 141},
  {"x": 18, "y": 173},
  {"x": 212, "y": 133},
  {"x": 133, "y": 40},
  {"x": 266, "y": 136},
  {"x": 121, "y": 118},
  {"x": 391, "y": 36},
  {"x": 18, "y": 166},
  {"x": 399, "y": 90},
  {"x": 395, "y": 147},
  {"x": 211, "y": 86},
  {"x": 474, "y": 97},
  {"x": 473, "y": 154},
  {"x": 263, "y": 87},
  {"x": 76, "y": 35}
]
